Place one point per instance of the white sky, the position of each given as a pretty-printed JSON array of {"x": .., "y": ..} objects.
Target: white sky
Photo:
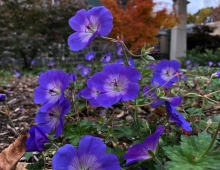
[{"x": 194, "y": 5}]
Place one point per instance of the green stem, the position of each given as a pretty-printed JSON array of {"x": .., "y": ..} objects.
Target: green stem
[
  {"x": 8, "y": 113},
  {"x": 202, "y": 108},
  {"x": 212, "y": 142},
  {"x": 157, "y": 160},
  {"x": 135, "y": 117}
]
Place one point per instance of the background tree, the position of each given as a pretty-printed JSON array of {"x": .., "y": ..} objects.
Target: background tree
[
  {"x": 191, "y": 19},
  {"x": 138, "y": 22},
  {"x": 216, "y": 14},
  {"x": 202, "y": 16}
]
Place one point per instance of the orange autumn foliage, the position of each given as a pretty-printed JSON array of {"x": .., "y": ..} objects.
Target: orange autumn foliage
[{"x": 138, "y": 23}]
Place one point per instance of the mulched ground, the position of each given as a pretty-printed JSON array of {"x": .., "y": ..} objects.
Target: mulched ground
[{"x": 19, "y": 93}]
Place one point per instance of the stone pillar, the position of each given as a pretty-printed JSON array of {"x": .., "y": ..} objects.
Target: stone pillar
[{"x": 178, "y": 33}]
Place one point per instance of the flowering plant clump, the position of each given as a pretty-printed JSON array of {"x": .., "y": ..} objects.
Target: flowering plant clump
[{"x": 130, "y": 114}]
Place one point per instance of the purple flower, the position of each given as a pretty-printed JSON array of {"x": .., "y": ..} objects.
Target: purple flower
[
  {"x": 51, "y": 63},
  {"x": 85, "y": 71},
  {"x": 175, "y": 101},
  {"x": 188, "y": 62},
  {"x": 53, "y": 119},
  {"x": 131, "y": 62},
  {"x": 119, "y": 61},
  {"x": 107, "y": 58},
  {"x": 72, "y": 77},
  {"x": 36, "y": 140},
  {"x": 32, "y": 62},
  {"x": 176, "y": 117},
  {"x": 90, "y": 93},
  {"x": 166, "y": 73},
  {"x": 90, "y": 155},
  {"x": 90, "y": 56},
  {"x": 79, "y": 66},
  {"x": 119, "y": 50},
  {"x": 218, "y": 63},
  {"x": 95, "y": 22},
  {"x": 210, "y": 63},
  {"x": 152, "y": 94},
  {"x": 140, "y": 152},
  {"x": 116, "y": 83},
  {"x": 51, "y": 89},
  {"x": 2, "y": 97},
  {"x": 216, "y": 75},
  {"x": 152, "y": 66},
  {"x": 17, "y": 74}
]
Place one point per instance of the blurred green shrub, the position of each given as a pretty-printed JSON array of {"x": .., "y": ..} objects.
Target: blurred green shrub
[{"x": 201, "y": 58}]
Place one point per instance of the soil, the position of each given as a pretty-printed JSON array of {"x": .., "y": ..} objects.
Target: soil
[{"x": 22, "y": 108}]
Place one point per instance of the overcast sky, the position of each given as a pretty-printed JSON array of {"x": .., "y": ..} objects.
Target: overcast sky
[{"x": 194, "y": 5}]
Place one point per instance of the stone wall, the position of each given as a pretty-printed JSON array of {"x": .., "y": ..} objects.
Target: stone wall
[{"x": 98, "y": 46}]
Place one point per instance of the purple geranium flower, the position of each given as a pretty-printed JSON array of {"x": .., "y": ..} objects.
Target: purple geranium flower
[
  {"x": 51, "y": 63},
  {"x": 53, "y": 119},
  {"x": 216, "y": 75},
  {"x": 188, "y": 62},
  {"x": 95, "y": 22},
  {"x": 90, "y": 56},
  {"x": 218, "y": 63},
  {"x": 131, "y": 62},
  {"x": 116, "y": 83},
  {"x": 72, "y": 77},
  {"x": 85, "y": 71},
  {"x": 175, "y": 101},
  {"x": 119, "y": 50},
  {"x": 17, "y": 74},
  {"x": 119, "y": 61},
  {"x": 90, "y": 155},
  {"x": 51, "y": 89},
  {"x": 36, "y": 140},
  {"x": 107, "y": 58},
  {"x": 166, "y": 73},
  {"x": 2, "y": 97},
  {"x": 32, "y": 62},
  {"x": 176, "y": 117},
  {"x": 210, "y": 63},
  {"x": 152, "y": 66},
  {"x": 140, "y": 152},
  {"x": 79, "y": 66},
  {"x": 90, "y": 93}
]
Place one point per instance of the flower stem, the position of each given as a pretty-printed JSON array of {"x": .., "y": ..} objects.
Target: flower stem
[
  {"x": 212, "y": 142},
  {"x": 200, "y": 114},
  {"x": 157, "y": 160},
  {"x": 8, "y": 113},
  {"x": 135, "y": 117}
]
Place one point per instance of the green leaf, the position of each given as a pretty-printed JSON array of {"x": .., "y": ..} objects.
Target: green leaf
[
  {"x": 193, "y": 95},
  {"x": 188, "y": 154},
  {"x": 28, "y": 155}
]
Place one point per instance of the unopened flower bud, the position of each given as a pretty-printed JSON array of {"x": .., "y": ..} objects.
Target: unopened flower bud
[{"x": 2, "y": 97}]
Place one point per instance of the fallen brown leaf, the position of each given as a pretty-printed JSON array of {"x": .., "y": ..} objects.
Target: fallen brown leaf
[{"x": 11, "y": 155}]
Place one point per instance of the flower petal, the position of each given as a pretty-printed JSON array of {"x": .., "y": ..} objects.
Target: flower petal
[
  {"x": 101, "y": 18},
  {"x": 79, "y": 40},
  {"x": 131, "y": 92},
  {"x": 66, "y": 158},
  {"x": 89, "y": 150},
  {"x": 108, "y": 99},
  {"x": 79, "y": 21}
]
